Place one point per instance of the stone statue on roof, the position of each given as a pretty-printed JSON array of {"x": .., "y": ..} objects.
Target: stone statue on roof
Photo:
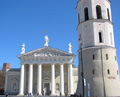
[
  {"x": 23, "y": 49},
  {"x": 70, "y": 48},
  {"x": 46, "y": 40}
]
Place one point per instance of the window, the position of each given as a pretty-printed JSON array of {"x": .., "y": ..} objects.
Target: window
[
  {"x": 86, "y": 14},
  {"x": 108, "y": 14},
  {"x": 80, "y": 37},
  {"x": 111, "y": 40},
  {"x": 93, "y": 57},
  {"x": 57, "y": 86},
  {"x": 99, "y": 12},
  {"x": 115, "y": 58},
  {"x": 108, "y": 71},
  {"x": 100, "y": 37},
  {"x": 78, "y": 18},
  {"x": 117, "y": 72},
  {"x": 14, "y": 87},
  {"x": 93, "y": 71},
  {"x": 106, "y": 56}
]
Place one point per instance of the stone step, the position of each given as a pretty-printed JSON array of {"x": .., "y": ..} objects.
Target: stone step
[{"x": 30, "y": 96}]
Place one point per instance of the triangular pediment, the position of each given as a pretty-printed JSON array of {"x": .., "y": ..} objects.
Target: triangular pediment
[{"x": 46, "y": 52}]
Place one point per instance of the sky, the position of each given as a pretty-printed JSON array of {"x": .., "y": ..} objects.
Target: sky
[{"x": 25, "y": 21}]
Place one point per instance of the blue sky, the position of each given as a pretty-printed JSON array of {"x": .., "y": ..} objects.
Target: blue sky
[{"x": 24, "y": 21}]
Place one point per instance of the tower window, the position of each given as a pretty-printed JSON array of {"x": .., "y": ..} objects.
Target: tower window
[
  {"x": 78, "y": 18},
  {"x": 106, "y": 56},
  {"x": 111, "y": 40},
  {"x": 99, "y": 12},
  {"x": 93, "y": 57},
  {"x": 108, "y": 14},
  {"x": 117, "y": 72},
  {"x": 108, "y": 71},
  {"x": 100, "y": 37},
  {"x": 80, "y": 37},
  {"x": 86, "y": 14},
  {"x": 93, "y": 71},
  {"x": 115, "y": 58}
]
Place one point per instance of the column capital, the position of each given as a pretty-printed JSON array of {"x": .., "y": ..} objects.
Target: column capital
[
  {"x": 22, "y": 64},
  {"x": 70, "y": 63},
  {"x": 39, "y": 64},
  {"x": 61, "y": 63},
  {"x": 52, "y": 63}
]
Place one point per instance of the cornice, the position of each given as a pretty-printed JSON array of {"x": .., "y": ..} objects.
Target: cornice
[{"x": 95, "y": 20}]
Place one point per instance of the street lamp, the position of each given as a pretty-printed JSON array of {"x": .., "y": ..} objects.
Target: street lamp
[{"x": 82, "y": 65}]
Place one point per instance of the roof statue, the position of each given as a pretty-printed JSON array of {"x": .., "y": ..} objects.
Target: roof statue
[
  {"x": 23, "y": 49},
  {"x": 46, "y": 40},
  {"x": 70, "y": 48}
]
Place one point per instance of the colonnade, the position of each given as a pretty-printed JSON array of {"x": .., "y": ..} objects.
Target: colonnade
[{"x": 39, "y": 79}]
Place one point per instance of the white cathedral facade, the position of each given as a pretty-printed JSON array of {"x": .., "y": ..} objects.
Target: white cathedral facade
[
  {"x": 44, "y": 71},
  {"x": 49, "y": 71}
]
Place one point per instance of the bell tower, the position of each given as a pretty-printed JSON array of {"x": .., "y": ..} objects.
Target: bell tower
[{"x": 95, "y": 30}]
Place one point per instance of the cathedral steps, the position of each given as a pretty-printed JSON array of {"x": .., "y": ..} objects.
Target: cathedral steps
[{"x": 30, "y": 96}]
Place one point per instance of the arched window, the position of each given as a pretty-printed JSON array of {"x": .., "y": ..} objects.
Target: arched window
[
  {"x": 93, "y": 57},
  {"x": 14, "y": 87},
  {"x": 106, "y": 56},
  {"x": 57, "y": 86},
  {"x": 100, "y": 37},
  {"x": 111, "y": 40},
  {"x": 78, "y": 18},
  {"x": 117, "y": 72},
  {"x": 108, "y": 71},
  {"x": 86, "y": 13},
  {"x": 115, "y": 58},
  {"x": 108, "y": 14},
  {"x": 93, "y": 71},
  {"x": 99, "y": 12}
]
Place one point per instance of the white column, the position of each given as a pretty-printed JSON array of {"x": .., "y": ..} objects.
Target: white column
[
  {"x": 21, "y": 90},
  {"x": 53, "y": 79},
  {"x": 70, "y": 79},
  {"x": 39, "y": 79},
  {"x": 30, "y": 79},
  {"x": 62, "y": 79}
]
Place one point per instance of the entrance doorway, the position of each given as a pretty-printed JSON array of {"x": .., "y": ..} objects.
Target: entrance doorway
[{"x": 46, "y": 88}]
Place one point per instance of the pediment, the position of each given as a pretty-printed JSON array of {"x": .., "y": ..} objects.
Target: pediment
[{"x": 46, "y": 52}]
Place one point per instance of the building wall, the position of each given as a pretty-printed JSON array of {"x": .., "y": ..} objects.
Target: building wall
[
  {"x": 14, "y": 77},
  {"x": 101, "y": 82}
]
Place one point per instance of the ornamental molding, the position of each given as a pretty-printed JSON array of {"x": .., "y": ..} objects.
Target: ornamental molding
[{"x": 45, "y": 52}]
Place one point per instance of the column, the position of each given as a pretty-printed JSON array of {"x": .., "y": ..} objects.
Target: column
[
  {"x": 21, "y": 90},
  {"x": 39, "y": 79},
  {"x": 30, "y": 79},
  {"x": 70, "y": 79},
  {"x": 53, "y": 79},
  {"x": 62, "y": 79}
]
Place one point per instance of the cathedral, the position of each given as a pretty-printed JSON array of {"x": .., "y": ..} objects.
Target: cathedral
[
  {"x": 44, "y": 71},
  {"x": 50, "y": 71}
]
